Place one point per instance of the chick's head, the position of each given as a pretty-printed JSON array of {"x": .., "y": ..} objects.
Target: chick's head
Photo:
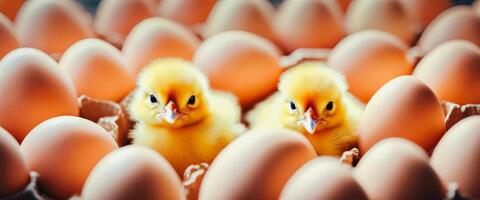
[
  {"x": 170, "y": 93},
  {"x": 311, "y": 98}
]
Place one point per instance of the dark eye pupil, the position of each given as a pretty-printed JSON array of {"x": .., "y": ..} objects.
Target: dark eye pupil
[
  {"x": 191, "y": 100},
  {"x": 153, "y": 99},
  {"x": 329, "y": 105},
  {"x": 292, "y": 106}
]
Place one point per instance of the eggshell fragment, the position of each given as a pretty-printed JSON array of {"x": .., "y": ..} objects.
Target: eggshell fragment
[
  {"x": 456, "y": 23},
  {"x": 63, "y": 150},
  {"x": 455, "y": 158},
  {"x": 369, "y": 59},
  {"x": 309, "y": 24},
  {"x": 33, "y": 89},
  {"x": 186, "y": 12},
  {"x": 10, "y": 8},
  {"x": 133, "y": 172},
  {"x": 13, "y": 167},
  {"x": 52, "y": 25},
  {"x": 385, "y": 15},
  {"x": 323, "y": 178},
  {"x": 8, "y": 40},
  {"x": 253, "y": 16},
  {"x": 156, "y": 38},
  {"x": 398, "y": 169},
  {"x": 424, "y": 11},
  {"x": 98, "y": 70},
  {"x": 452, "y": 71},
  {"x": 404, "y": 107},
  {"x": 256, "y": 165},
  {"x": 242, "y": 63},
  {"x": 114, "y": 19}
]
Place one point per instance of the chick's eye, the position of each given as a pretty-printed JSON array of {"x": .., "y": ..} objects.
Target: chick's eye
[
  {"x": 153, "y": 99},
  {"x": 292, "y": 106},
  {"x": 329, "y": 106},
  {"x": 191, "y": 100}
]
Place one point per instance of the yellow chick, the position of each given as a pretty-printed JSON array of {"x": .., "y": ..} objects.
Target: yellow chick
[
  {"x": 179, "y": 116},
  {"x": 313, "y": 100}
]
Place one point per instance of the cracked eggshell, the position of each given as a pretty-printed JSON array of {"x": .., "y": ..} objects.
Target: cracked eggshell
[
  {"x": 370, "y": 59},
  {"x": 63, "y": 150},
  {"x": 33, "y": 88},
  {"x": 156, "y": 38},
  {"x": 455, "y": 158},
  {"x": 452, "y": 71},
  {"x": 186, "y": 12},
  {"x": 397, "y": 169},
  {"x": 8, "y": 39},
  {"x": 52, "y": 25},
  {"x": 323, "y": 178},
  {"x": 98, "y": 70},
  {"x": 256, "y": 165},
  {"x": 404, "y": 107},
  {"x": 13, "y": 167},
  {"x": 456, "y": 23},
  {"x": 308, "y": 24}
]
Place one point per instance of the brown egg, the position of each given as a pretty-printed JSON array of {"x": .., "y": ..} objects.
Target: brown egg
[
  {"x": 455, "y": 158},
  {"x": 156, "y": 38},
  {"x": 256, "y": 165},
  {"x": 385, "y": 15},
  {"x": 404, "y": 107},
  {"x": 253, "y": 16},
  {"x": 52, "y": 25},
  {"x": 476, "y": 7},
  {"x": 63, "y": 150},
  {"x": 323, "y": 178},
  {"x": 98, "y": 70},
  {"x": 398, "y": 169},
  {"x": 369, "y": 59},
  {"x": 452, "y": 71},
  {"x": 114, "y": 19},
  {"x": 424, "y": 11},
  {"x": 10, "y": 8},
  {"x": 133, "y": 172},
  {"x": 8, "y": 40},
  {"x": 33, "y": 88},
  {"x": 13, "y": 167},
  {"x": 186, "y": 12},
  {"x": 250, "y": 70},
  {"x": 309, "y": 24},
  {"x": 457, "y": 23}
]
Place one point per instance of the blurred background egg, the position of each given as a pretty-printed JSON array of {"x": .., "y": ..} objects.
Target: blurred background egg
[
  {"x": 323, "y": 178},
  {"x": 397, "y": 169},
  {"x": 344, "y": 4},
  {"x": 13, "y": 167},
  {"x": 98, "y": 70},
  {"x": 476, "y": 7},
  {"x": 385, "y": 15},
  {"x": 242, "y": 63},
  {"x": 455, "y": 158},
  {"x": 33, "y": 89},
  {"x": 156, "y": 38},
  {"x": 133, "y": 172},
  {"x": 404, "y": 107},
  {"x": 253, "y": 16},
  {"x": 52, "y": 25},
  {"x": 8, "y": 40},
  {"x": 114, "y": 19},
  {"x": 459, "y": 22},
  {"x": 452, "y": 71},
  {"x": 308, "y": 24},
  {"x": 369, "y": 59},
  {"x": 63, "y": 150},
  {"x": 244, "y": 172},
  {"x": 186, "y": 12},
  {"x": 10, "y": 7},
  {"x": 424, "y": 11}
]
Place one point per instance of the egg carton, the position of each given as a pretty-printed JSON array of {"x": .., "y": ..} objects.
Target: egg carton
[{"x": 30, "y": 192}]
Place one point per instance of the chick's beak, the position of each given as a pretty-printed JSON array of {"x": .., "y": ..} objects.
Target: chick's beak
[
  {"x": 170, "y": 112},
  {"x": 310, "y": 121}
]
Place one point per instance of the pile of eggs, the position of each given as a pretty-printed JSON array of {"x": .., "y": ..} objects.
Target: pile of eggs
[{"x": 407, "y": 60}]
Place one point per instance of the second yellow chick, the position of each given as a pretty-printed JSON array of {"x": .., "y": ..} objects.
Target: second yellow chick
[
  {"x": 179, "y": 116},
  {"x": 313, "y": 100}
]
